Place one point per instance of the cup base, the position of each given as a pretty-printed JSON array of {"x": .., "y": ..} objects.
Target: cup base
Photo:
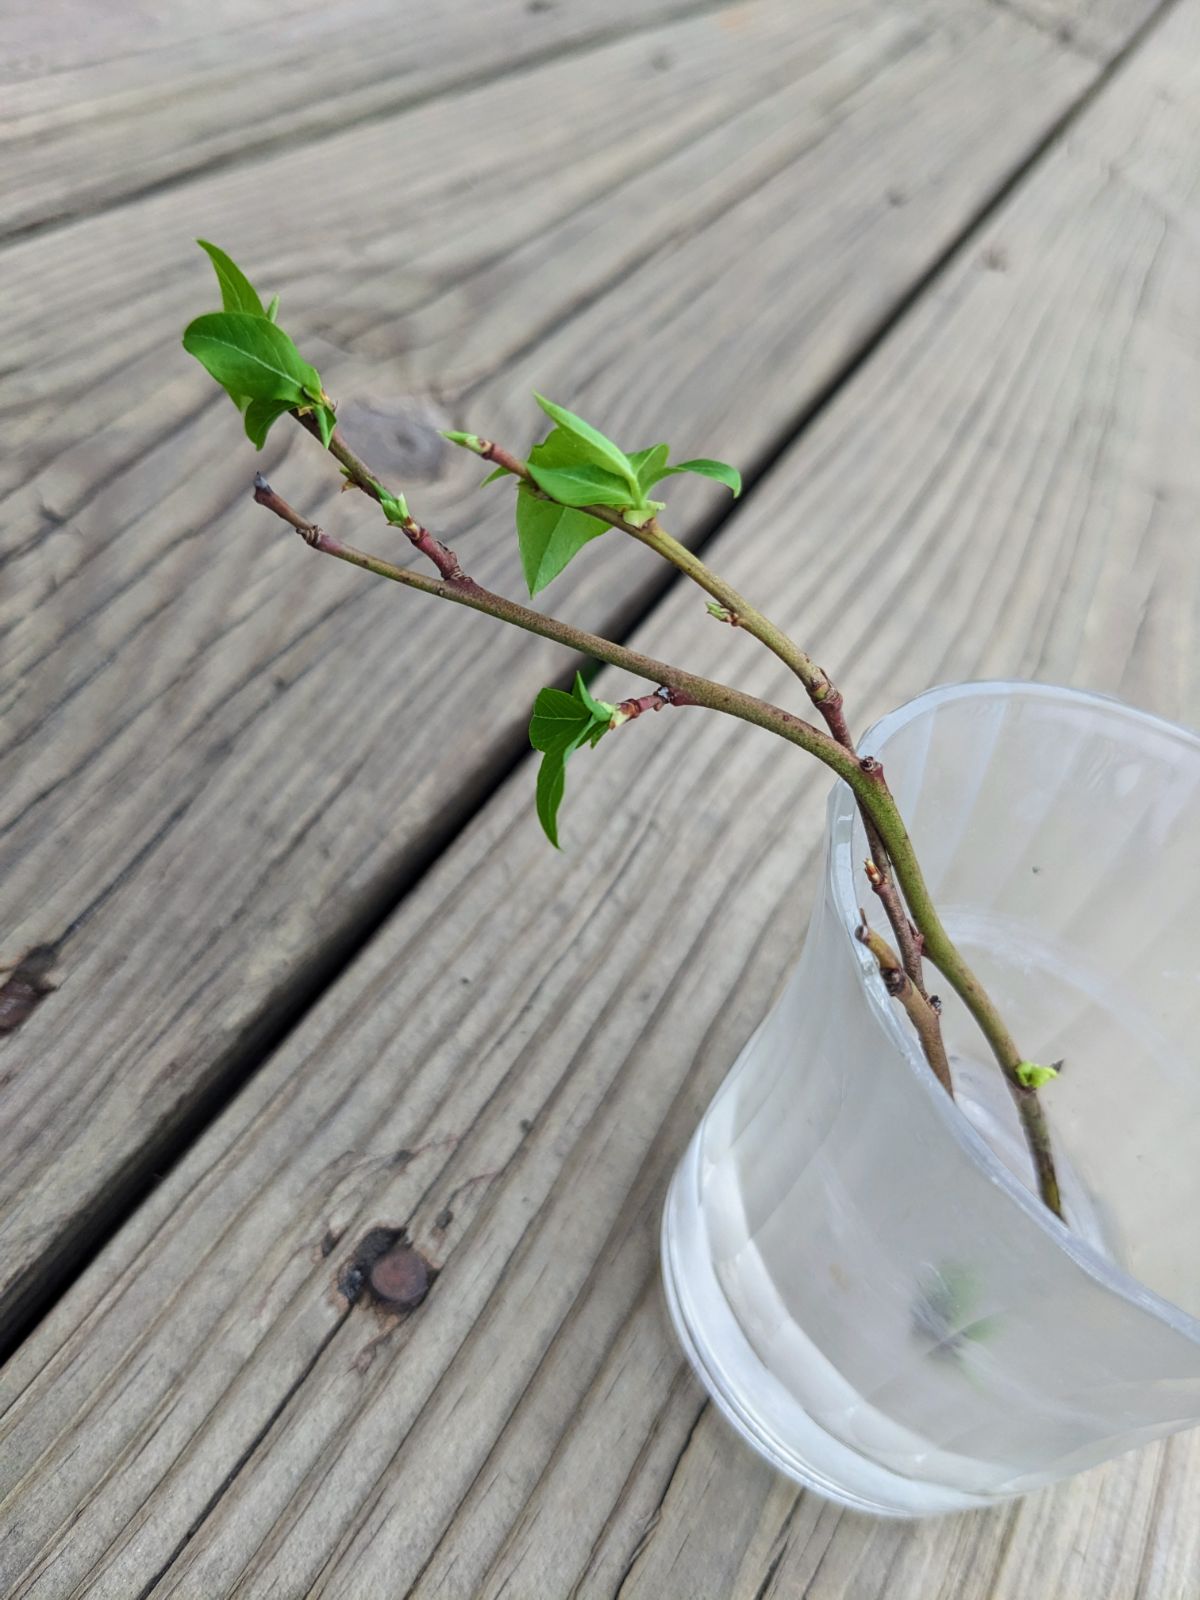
[{"x": 766, "y": 1415}]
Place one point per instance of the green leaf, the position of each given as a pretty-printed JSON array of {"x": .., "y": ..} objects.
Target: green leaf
[
  {"x": 496, "y": 472},
  {"x": 248, "y": 355},
  {"x": 720, "y": 470},
  {"x": 1033, "y": 1076},
  {"x": 558, "y": 720},
  {"x": 549, "y": 535},
  {"x": 260, "y": 414},
  {"x": 237, "y": 292},
  {"x": 983, "y": 1328},
  {"x": 551, "y": 783},
  {"x": 600, "y": 709},
  {"x": 560, "y": 724},
  {"x": 562, "y": 449},
  {"x": 601, "y": 451},
  {"x": 273, "y": 309},
  {"x": 581, "y": 485},
  {"x": 649, "y": 465},
  {"x": 947, "y": 1299}
]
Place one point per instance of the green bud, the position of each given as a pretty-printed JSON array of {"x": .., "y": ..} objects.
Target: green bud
[
  {"x": 393, "y": 506},
  {"x": 468, "y": 441},
  {"x": 1031, "y": 1076}
]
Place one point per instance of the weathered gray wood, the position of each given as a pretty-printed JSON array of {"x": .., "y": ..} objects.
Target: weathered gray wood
[
  {"x": 220, "y": 756},
  {"x": 1004, "y": 488},
  {"x": 81, "y": 95},
  {"x": 1097, "y": 27}
]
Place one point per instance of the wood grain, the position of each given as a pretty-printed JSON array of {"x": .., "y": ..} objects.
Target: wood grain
[
  {"x": 1095, "y": 27},
  {"x": 84, "y": 125},
  {"x": 513, "y": 1065},
  {"x": 222, "y": 761}
]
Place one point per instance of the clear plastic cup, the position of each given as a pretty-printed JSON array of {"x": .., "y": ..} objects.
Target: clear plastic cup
[{"x": 858, "y": 1267}]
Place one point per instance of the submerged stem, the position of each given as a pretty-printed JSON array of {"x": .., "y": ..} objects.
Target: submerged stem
[{"x": 920, "y": 1010}]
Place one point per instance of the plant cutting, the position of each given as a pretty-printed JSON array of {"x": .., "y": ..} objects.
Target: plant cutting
[{"x": 891, "y": 1380}]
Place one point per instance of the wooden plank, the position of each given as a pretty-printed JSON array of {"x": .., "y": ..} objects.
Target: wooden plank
[
  {"x": 202, "y": 792},
  {"x": 85, "y": 122},
  {"x": 1096, "y": 27},
  {"x": 1004, "y": 488}
]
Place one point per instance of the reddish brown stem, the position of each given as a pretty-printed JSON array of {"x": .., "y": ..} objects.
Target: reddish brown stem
[
  {"x": 881, "y": 881},
  {"x": 835, "y": 748},
  {"x": 441, "y": 555},
  {"x": 266, "y": 496},
  {"x": 627, "y": 710},
  {"x": 920, "y": 1012},
  {"x": 824, "y": 694}
]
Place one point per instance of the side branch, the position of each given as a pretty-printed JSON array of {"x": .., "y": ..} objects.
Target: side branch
[
  {"x": 922, "y": 1013},
  {"x": 821, "y": 692},
  {"x": 880, "y": 879},
  {"x": 687, "y": 688},
  {"x": 628, "y": 710},
  {"x": 825, "y": 696},
  {"x": 865, "y": 776}
]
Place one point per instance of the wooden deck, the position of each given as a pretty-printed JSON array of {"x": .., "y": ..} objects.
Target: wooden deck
[{"x": 927, "y": 270}]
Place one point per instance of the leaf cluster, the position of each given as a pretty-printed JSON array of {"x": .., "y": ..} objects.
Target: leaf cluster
[
  {"x": 574, "y": 471},
  {"x": 575, "y": 467},
  {"x": 560, "y": 725},
  {"x": 251, "y": 357}
]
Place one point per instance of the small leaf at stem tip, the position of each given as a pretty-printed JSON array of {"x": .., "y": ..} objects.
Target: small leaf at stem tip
[
  {"x": 649, "y": 465},
  {"x": 248, "y": 355},
  {"x": 260, "y": 415},
  {"x": 496, "y": 472},
  {"x": 600, "y": 709},
  {"x": 720, "y": 470},
  {"x": 1032, "y": 1076},
  {"x": 273, "y": 308},
  {"x": 237, "y": 292},
  {"x": 468, "y": 441},
  {"x": 600, "y": 450},
  {"x": 549, "y": 536}
]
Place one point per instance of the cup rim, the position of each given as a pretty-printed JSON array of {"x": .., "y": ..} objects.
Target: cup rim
[{"x": 840, "y": 877}]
